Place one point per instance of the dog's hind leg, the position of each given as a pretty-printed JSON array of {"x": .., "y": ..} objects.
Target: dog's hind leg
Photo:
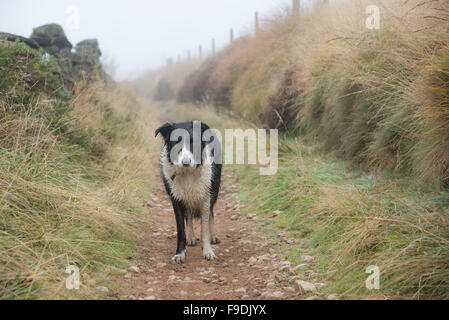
[
  {"x": 180, "y": 212},
  {"x": 192, "y": 240},
  {"x": 214, "y": 239},
  {"x": 208, "y": 252}
]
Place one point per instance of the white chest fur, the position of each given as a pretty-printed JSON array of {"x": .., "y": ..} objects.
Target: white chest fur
[{"x": 189, "y": 185}]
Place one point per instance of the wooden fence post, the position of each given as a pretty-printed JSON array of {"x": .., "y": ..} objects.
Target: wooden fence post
[
  {"x": 256, "y": 22},
  {"x": 296, "y": 7}
]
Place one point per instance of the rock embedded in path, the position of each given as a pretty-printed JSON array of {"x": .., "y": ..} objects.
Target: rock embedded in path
[
  {"x": 234, "y": 217},
  {"x": 206, "y": 280},
  {"x": 240, "y": 290},
  {"x": 161, "y": 265},
  {"x": 173, "y": 278},
  {"x": 252, "y": 261},
  {"x": 150, "y": 298},
  {"x": 304, "y": 286},
  {"x": 134, "y": 269},
  {"x": 332, "y": 297}
]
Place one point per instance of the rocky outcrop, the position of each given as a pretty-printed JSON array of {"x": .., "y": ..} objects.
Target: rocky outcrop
[
  {"x": 51, "y": 38},
  {"x": 79, "y": 63},
  {"x": 87, "y": 58}
]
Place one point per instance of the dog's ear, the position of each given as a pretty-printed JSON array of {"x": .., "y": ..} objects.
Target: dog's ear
[{"x": 165, "y": 130}]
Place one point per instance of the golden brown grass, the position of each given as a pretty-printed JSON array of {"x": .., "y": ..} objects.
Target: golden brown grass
[
  {"x": 64, "y": 203},
  {"x": 377, "y": 97}
]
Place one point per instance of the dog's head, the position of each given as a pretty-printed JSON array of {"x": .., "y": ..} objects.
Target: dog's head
[{"x": 184, "y": 142}]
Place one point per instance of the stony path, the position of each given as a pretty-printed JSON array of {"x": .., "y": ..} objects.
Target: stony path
[{"x": 246, "y": 267}]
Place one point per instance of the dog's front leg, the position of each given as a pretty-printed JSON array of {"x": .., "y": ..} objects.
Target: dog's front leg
[
  {"x": 180, "y": 212},
  {"x": 213, "y": 236},
  {"x": 208, "y": 253},
  {"x": 192, "y": 240}
]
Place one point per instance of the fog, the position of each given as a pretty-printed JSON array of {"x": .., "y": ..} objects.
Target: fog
[{"x": 139, "y": 35}]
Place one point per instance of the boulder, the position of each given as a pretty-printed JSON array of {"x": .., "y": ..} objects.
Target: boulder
[
  {"x": 51, "y": 38},
  {"x": 90, "y": 48},
  {"x": 86, "y": 59}
]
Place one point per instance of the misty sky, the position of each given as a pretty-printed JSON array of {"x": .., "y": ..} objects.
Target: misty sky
[{"x": 139, "y": 34}]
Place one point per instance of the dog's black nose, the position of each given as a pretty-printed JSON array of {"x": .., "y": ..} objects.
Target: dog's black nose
[{"x": 186, "y": 162}]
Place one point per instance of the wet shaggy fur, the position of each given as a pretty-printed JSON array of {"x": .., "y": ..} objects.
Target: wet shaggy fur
[{"x": 192, "y": 188}]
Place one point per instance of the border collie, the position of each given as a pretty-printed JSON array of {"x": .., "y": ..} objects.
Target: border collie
[{"x": 192, "y": 180}]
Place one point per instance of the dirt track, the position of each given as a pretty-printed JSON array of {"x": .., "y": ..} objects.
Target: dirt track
[{"x": 246, "y": 267}]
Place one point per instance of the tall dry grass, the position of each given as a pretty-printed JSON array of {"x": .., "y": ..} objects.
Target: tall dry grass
[
  {"x": 377, "y": 97},
  {"x": 72, "y": 196}
]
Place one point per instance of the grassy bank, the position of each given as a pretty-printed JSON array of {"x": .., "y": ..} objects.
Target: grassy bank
[
  {"x": 376, "y": 97},
  {"x": 73, "y": 175},
  {"x": 347, "y": 219}
]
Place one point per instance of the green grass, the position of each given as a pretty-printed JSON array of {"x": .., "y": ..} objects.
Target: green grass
[{"x": 348, "y": 219}]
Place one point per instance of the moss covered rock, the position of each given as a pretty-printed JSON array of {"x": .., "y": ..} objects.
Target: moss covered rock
[{"x": 51, "y": 38}]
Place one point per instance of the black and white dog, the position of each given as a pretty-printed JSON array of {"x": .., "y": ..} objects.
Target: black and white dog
[{"x": 192, "y": 177}]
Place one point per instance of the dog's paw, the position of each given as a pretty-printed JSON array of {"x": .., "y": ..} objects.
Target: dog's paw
[
  {"x": 209, "y": 254},
  {"x": 192, "y": 241},
  {"x": 215, "y": 240},
  {"x": 179, "y": 258}
]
